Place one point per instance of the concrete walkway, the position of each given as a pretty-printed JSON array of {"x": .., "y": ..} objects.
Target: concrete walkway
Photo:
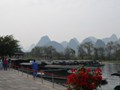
[{"x": 14, "y": 80}]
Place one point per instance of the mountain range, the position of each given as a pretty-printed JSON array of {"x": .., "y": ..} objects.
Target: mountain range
[{"x": 73, "y": 43}]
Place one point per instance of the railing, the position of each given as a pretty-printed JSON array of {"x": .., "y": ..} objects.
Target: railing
[{"x": 40, "y": 74}]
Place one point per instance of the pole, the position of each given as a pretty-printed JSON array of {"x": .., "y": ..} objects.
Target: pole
[{"x": 52, "y": 80}]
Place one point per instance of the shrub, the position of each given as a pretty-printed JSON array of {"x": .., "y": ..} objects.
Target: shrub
[{"x": 84, "y": 79}]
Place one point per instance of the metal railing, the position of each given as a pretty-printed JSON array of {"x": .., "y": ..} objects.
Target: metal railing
[{"x": 40, "y": 75}]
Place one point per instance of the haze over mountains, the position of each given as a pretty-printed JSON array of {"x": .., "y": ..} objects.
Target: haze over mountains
[{"x": 73, "y": 43}]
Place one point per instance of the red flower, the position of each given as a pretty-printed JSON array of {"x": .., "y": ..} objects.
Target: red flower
[
  {"x": 98, "y": 70},
  {"x": 72, "y": 78},
  {"x": 84, "y": 78},
  {"x": 73, "y": 70},
  {"x": 92, "y": 86},
  {"x": 88, "y": 70}
]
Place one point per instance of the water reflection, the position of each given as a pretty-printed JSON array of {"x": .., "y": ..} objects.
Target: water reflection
[{"x": 108, "y": 69}]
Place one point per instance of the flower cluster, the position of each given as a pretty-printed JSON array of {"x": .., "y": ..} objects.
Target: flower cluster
[{"x": 84, "y": 79}]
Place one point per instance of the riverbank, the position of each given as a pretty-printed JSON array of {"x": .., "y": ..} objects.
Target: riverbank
[{"x": 111, "y": 62}]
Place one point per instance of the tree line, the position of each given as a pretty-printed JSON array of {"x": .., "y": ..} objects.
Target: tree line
[{"x": 86, "y": 51}]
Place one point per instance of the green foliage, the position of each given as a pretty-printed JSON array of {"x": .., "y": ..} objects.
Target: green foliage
[
  {"x": 86, "y": 51},
  {"x": 69, "y": 53},
  {"x": 89, "y": 47},
  {"x": 8, "y": 45},
  {"x": 43, "y": 52},
  {"x": 81, "y": 51}
]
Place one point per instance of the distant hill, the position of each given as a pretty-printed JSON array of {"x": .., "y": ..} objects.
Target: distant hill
[
  {"x": 22, "y": 48},
  {"x": 56, "y": 45},
  {"x": 93, "y": 39},
  {"x": 99, "y": 44},
  {"x": 118, "y": 42},
  {"x": 73, "y": 43},
  {"x": 77, "y": 42},
  {"x": 31, "y": 47},
  {"x": 112, "y": 38},
  {"x": 43, "y": 41},
  {"x": 64, "y": 44},
  {"x": 89, "y": 39}
]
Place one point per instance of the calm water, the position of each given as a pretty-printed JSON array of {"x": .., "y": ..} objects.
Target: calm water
[{"x": 107, "y": 70}]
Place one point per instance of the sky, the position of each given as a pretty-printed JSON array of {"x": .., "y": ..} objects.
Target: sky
[{"x": 61, "y": 20}]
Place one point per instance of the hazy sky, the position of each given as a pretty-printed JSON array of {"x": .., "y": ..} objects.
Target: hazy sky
[{"x": 29, "y": 20}]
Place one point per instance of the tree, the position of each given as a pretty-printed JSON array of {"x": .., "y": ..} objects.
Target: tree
[
  {"x": 116, "y": 48},
  {"x": 99, "y": 53},
  {"x": 37, "y": 52},
  {"x": 81, "y": 51},
  {"x": 8, "y": 46},
  {"x": 109, "y": 48},
  {"x": 50, "y": 51},
  {"x": 95, "y": 53},
  {"x": 47, "y": 52},
  {"x": 69, "y": 53},
  {"x": 89, "y": 47}
]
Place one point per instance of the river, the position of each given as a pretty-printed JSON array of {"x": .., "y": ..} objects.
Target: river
[{"x": 107, "y": 70}]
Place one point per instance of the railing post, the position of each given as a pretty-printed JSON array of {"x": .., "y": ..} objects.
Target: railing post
[
  {"x": 52, "y": 80},
  {"x": 14, "y": 68},
  {"x": 21, "y": 71},
  {"x": 27, "y": 71},
  {"x": 18, "y": 69},
  {"x": 41, "y": 77}
]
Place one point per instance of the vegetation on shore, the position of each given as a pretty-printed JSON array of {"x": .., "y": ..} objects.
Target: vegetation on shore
[
  {"x": 111, "y": 61},
  {"x": 86, "y": 51}
]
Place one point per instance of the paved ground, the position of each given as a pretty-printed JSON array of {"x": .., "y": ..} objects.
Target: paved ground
[{"x": 14, "y": 80}]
